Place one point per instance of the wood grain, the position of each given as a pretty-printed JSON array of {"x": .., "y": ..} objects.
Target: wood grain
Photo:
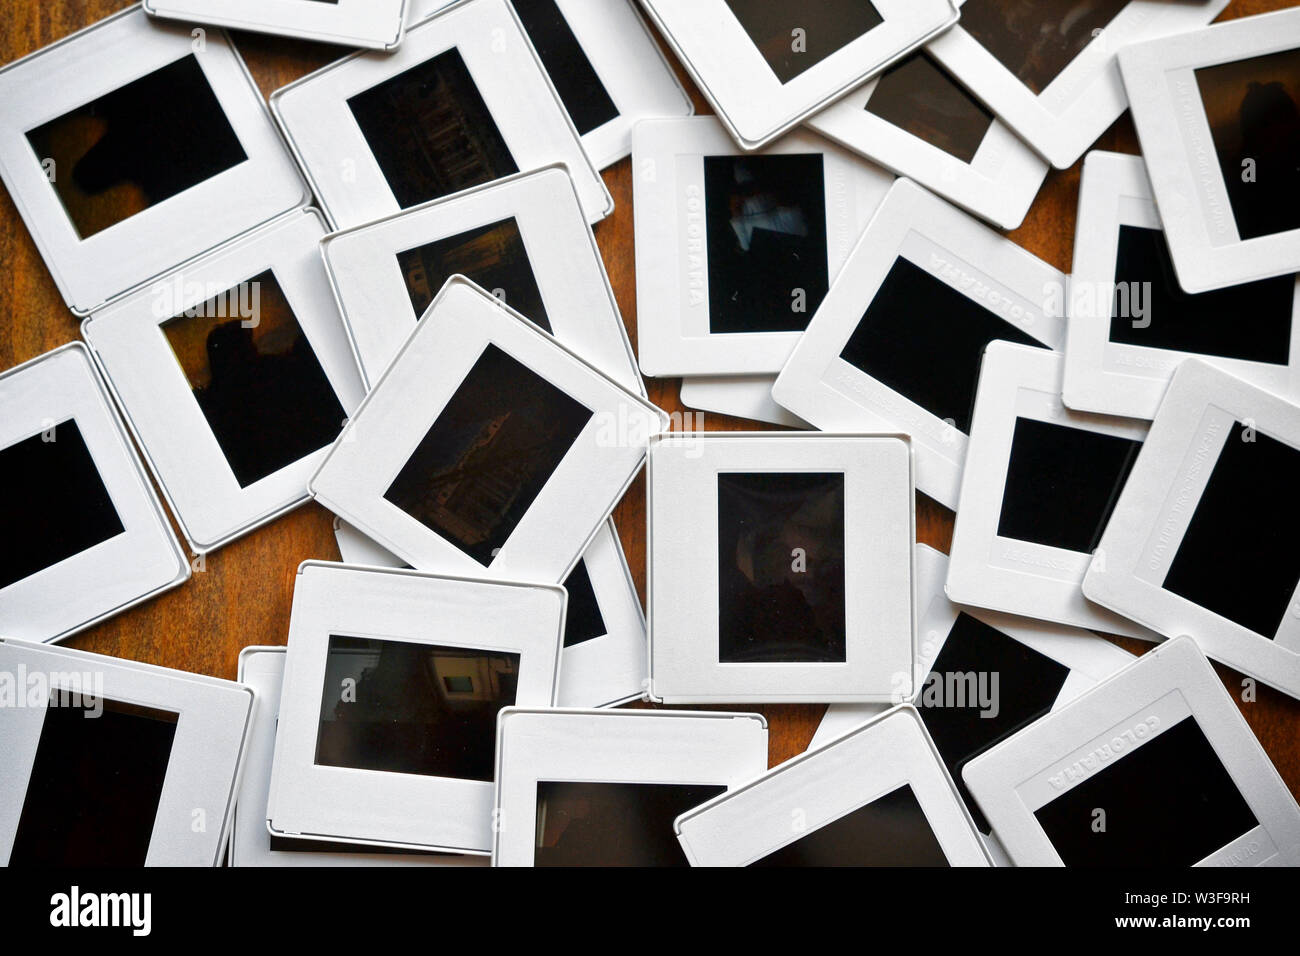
[{"x": 241, "y": 594}]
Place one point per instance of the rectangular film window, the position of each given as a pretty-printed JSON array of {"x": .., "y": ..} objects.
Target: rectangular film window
[
  {"x": 1253, "y": 108},
  {"x": 431, "y": 132},
  {"x": 493, "y": 256},
  {"x": 96, "y": 783},
  {"x": 413, "y": 708},
  {"x": 1037, "y": 39},
  {"x": 984, "y": 686},
  {"x": 920, "y": 97},
  {"x": 766, "y": 228},
  {"x": 1238, "y": 558},
  {"x": 575, "y": 80},
  {"x": 477, "y": 471},
  {"x": 259, "y": 384},
  {"x": 1063, "y": 483},
  {"x": 53, "y": 503},
  {"x": 613, "y": 824},
  {"x": 795, "y": 36},
  {"x": 137, "y": 146},
  {"x": 926, "y": 341},
  {"x": 781, "y": 568},
  {"x": 1169, "y": 802},
  {"x": 889, "y": 831},
  {"x": 1151, "y": 309}
]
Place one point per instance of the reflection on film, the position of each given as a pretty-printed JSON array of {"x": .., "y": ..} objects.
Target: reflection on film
[
  {"x": 431, "y": 132},
  {"x": 256, "y": 379},
  {"x": 613, "y": 824},
  {"x": 1037, "y": 39},
  {"x": 137, "y": 146},
  {"x": 413, "y": 708},
  {"x": 766, "y": 223},
  {"x": 781, "y": 567},
  {"x": 492, "y": 256},
  {"x": 489, "y": 453},
  {"x": 1253, "y": 108}
]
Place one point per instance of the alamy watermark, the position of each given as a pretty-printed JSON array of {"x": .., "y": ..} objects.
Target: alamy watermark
[
  {"x": 961, "y": 690},
  {"x": 40, "y": 689},
  {"x": 174, "y": 297},
  {"x": 1120, "y": 300}
]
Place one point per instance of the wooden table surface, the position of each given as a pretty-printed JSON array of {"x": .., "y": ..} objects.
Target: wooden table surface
[{"x": 242, "y": 593}]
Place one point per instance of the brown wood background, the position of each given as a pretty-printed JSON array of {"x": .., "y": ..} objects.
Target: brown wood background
[{"x": 242, "y": 596}]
